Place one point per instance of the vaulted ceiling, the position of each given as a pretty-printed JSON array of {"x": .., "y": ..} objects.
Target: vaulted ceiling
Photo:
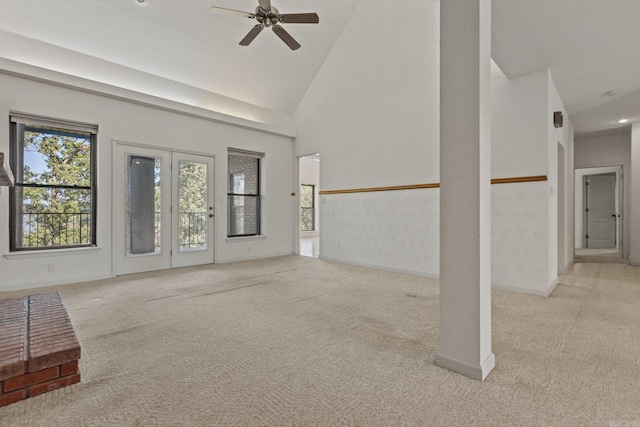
[{"x": 589, "y": 45}]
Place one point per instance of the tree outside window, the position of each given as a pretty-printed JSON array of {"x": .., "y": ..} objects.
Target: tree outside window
[
  {"x": 53, "y": 201},
  {"x": 307, "y": 208}
]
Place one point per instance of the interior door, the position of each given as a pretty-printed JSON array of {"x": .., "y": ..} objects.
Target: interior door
[
  {"x": 193, "y": 210},
  {"x": 601, "y": 211},
  {"x": 163, "y": 209}
]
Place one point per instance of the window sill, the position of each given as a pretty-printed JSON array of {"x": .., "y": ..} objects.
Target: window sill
[
  {"x": 50, "y": 252},
  {"x": 245, "y": 238}
]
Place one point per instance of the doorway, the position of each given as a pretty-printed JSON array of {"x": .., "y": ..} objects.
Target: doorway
[
  {"x": 308, "y": 209},
  {"x": 599, "y": 213},
  {"x": 163, "y": 209},
  {"x": 600, "y": 216}
]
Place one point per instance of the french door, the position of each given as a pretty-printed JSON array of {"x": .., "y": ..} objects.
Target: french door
[{"x": 163, "y": 209}]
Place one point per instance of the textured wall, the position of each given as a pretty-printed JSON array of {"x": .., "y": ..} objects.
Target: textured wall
[
  {"x": 392, "y": 229},
  {"x": 519, "y": 236}
]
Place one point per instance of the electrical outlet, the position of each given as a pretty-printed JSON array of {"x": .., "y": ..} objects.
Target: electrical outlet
[{"x": 52, "y": 267}]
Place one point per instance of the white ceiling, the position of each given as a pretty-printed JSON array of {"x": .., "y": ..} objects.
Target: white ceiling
[
  {"x": 183, "y": 41},
  {"x": 591, "y": 47}
]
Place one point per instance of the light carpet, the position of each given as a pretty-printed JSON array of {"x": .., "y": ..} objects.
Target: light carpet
[{"x": 296, "y": 341}]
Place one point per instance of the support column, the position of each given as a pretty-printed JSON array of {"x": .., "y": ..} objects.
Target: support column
[{"x": 465, "y": 188}]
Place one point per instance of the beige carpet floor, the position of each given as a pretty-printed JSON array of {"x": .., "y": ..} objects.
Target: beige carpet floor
[
  {"x": 606, "y": 256},
  {"x": 297, "y": 341}
]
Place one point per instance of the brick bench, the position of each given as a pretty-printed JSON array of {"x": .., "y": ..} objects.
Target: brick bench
[{"x": 39, "y": 351}]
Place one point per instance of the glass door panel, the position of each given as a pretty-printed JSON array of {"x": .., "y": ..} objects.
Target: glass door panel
[
  {"x": 194, "y": 210},
  {"x": 192, "y": 205}
]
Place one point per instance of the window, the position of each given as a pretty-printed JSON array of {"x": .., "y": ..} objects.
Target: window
[
  {"x": 53, "y": 203},
  {"x": 307, "y": 208},
  {"x": 243, "y": 194}
]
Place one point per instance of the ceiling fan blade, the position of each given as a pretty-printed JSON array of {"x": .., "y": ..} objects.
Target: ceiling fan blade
[
  {"x": 265, "y": 4},
  {"x": 299, "y": 18},
  {"x": 232, "y": 12},
  {"x": 251, "y": 35},
  {"x": 286, "y": 37}
]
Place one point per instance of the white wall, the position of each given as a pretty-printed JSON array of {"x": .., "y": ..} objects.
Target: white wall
[
  {"x": 525, "y": 235},
  {"x": 373, "y": 113},
  {"x": 518, "y": 124},
  {"x": 519, "y": 210},
  {"x": 374, "y": 103},
  {"x": 598, "y": 151},
  {"x": 131, "y": 122},
  {"x": 560, "y": 243}
]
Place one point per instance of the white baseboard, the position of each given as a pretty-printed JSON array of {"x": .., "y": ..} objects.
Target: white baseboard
[
  {"x": 239, "y": 259},
  {"x": 380, "y": 267},
  {"x": 479, "y": 372},
  {"x": 552, "y": 286},
  {"x": 519, "y": 290},
  {"x": 566, "y": 268},
  {"x": 52, "y": 283}
]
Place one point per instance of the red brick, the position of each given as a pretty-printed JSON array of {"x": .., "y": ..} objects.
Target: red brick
[
  {"x": 54, "y": 338},
  {"x": 51, "y": 324},
  {"x": 12, "y": 369},
  {"x": 53, "y": 385},
  {"x": 10, "y": 356},
  {"x": 53, "y": 359},
  {"x": 52, "y": 344},
  {"x": 16, "y": 396},
  {"x": 7, "y": 335},
  {"x": 58, "y": 329},
  {"x": 55, "y": 295},
  {"x": 31, "y": 379},
  {"x": 13, "y": 320},
  {"x": 12, "y": 304},
  {"x": 11, "y": 347},
  {"x": 42, "y": 349},
  {"x": 51, "y": 307},
  {"x": 69, "y": 368},
  {"x": 46, "y": 318}
]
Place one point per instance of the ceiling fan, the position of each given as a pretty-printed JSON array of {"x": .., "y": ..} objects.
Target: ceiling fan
[{"x": 268, "y": 16}]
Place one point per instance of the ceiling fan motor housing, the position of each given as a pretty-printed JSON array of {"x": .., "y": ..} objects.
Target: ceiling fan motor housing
[{"x": 267, "y": 17}]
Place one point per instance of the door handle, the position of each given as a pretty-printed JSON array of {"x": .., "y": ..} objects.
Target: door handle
[{"x": 211, "y": 215}]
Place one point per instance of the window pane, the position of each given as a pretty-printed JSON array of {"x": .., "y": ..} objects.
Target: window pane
[
  {"x": 306, "y": 208},
  {"x": 54, "y": 217},
  {"x": 143, "y": 205},
  {"x": 56, "y": 157},
  {"x": 47, "y": 161},
  {"x": 193, "y": 205},
  {"x": 243, "y": 174},
  {"x": 243, "y": 215},
  {"x": 306, "y": 219},
  {"x": 306, "y": 196}
]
